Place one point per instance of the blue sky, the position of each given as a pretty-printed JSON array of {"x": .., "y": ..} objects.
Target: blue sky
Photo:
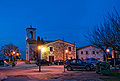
[{"x": 53, "y": 19}]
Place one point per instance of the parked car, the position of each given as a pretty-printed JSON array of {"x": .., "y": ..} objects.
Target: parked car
[
  {"x": 78, "y": 64},
  {"x": 1, "y": 62},
  {"x": 58, "y": 62},
  {"x": 43, "y": 62},
  {"x": 92, "y": 61}
]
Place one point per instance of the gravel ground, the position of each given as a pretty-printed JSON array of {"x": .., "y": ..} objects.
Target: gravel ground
[{"x": 28, "y": 72}]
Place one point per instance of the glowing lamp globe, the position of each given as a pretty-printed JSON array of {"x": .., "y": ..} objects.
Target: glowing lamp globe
[{"x": 108, "y": 50}]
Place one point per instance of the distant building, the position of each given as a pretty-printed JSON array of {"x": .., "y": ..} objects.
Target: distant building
[
  {"x": 50, "y": 50},
  {"x": 90, "y": 52}
]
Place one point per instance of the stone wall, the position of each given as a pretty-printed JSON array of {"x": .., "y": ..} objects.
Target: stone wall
[
  {"x": 59, "y": 48},
  {"x": 30, "y": 51}
]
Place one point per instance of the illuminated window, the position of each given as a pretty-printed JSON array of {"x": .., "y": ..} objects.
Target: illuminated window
[{"x": 73, "y": 62}]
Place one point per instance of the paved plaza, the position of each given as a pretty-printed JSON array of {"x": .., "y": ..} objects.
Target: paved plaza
[{"x": 29, "y": 72}]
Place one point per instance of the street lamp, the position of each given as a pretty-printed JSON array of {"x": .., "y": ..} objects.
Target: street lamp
[
  {"x": 39, "y": 61},
  {"x": 66, "y": 51},
  {"x": 17, "y": 54},
  {"x": 13, "y": 52},
  {"x": 39, "y": 47},
  {"x": 107, "y": 50}
]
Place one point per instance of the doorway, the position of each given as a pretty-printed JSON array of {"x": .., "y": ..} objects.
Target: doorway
[{"x": 51, "y": 59}]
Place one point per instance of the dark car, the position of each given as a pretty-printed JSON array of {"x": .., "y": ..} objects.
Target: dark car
[
  {"x": 43, "y": 62},
  {"x": 78, "y": 64},
  {"x": 1, "y": 62},
  {"x": 92, "y": 61},
  {"x": 58, "y": 62}
]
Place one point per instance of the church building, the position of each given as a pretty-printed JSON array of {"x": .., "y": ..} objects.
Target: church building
[{"x": 49, "y": 50}]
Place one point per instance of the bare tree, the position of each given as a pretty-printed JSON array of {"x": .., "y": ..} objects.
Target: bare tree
[
  {"x": 107, "y": 34},
  {"x": 8, "y": 50}
]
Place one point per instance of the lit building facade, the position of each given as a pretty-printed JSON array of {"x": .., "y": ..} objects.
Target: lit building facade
[
  {"x": 50, "y": 50},
  {"x": 90, "y": 52}
]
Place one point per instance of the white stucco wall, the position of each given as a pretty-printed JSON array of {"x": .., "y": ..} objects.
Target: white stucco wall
[{"x": 90, "y": 54}]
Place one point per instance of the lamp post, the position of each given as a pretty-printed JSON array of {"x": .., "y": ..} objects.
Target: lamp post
[
  {"x": 66, "y": 51},
  {"x": 39, "y": 61},
  {"x": 14, "y": 55},
  {"x": 107, "y": 50}
]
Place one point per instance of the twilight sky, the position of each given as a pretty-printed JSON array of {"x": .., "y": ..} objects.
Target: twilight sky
[{"x": 54, "y": 19}]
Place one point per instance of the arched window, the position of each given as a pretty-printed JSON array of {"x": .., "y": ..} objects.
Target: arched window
[{"x": 31, "y": 34}]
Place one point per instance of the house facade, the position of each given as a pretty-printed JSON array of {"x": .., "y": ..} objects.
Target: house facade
[
  {"x": 90, "y": 52},
  {"x": 50, "y": 50},
  {"x": 56, "y": 50}
]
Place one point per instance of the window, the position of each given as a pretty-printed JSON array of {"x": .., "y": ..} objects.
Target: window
[
  {"x": 31, "y": 34},
  {"x": 86, "y": 52},
  {"x": 73, "y": 62},
  {"x": 69, "y": 48},
  {"x": 93, "y": 52},
  {"x": 79, "y": 62},
  {"x": 81, "y": 52},
  {"x": 97, "y": 52},
  {"x": 51, "y": 49},
  {"x": 98, "y": 58}
]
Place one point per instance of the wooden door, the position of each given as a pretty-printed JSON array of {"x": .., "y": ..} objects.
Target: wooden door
[{"x": 51, "y": 58}]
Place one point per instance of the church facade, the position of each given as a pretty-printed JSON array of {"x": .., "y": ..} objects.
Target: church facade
[{"x": 50, "y": 50}]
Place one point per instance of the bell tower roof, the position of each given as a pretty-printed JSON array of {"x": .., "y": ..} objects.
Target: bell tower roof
[
  {"x": 31, "y": 28},
  {"x": 31, "y": 33}
]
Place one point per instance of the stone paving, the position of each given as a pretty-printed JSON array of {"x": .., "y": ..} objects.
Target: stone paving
[{"x": 49, "y": 73}]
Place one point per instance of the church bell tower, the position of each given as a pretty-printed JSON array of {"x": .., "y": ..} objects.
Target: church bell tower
[
  {"x": 31, "y": 33},
  {"x": 30, "y": 42}
]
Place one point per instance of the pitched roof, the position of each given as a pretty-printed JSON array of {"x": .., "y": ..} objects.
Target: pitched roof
[
  {"x": 59, "y": 40},
  {"x": 46, "y": 42},
  {"x": 86, "y": 47}
]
